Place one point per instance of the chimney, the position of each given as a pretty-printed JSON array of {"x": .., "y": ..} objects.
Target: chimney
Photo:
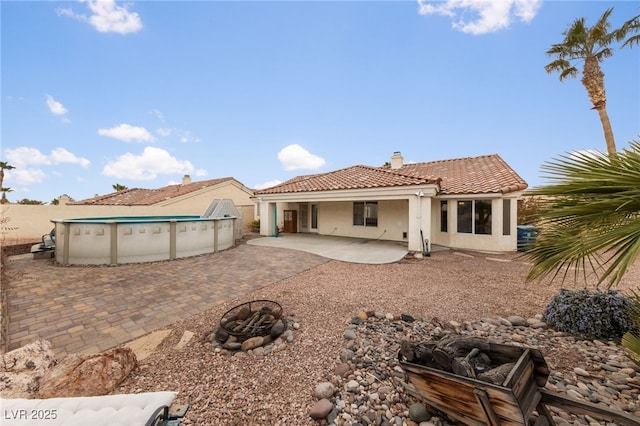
[
  {"x": 186, "y": 179},
  {"x": 396, "y": 161}
]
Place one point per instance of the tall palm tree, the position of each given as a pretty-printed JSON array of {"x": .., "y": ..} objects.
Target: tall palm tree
[
  {"x": 589, "y": 216},
  {"x": 4, "y": 166},
  {"x": 592, "y": 45}
]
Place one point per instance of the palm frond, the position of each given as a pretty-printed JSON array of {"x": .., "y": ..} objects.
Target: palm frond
[
  {"x": 631, "y": 341},
  {"x": 589, "y": 216}
]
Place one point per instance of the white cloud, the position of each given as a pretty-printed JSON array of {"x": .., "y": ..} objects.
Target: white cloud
[
  {"x": 148, "y": 165},
  {"x": 61, "y": 155},
  {"x": 295, "y": 157},
  {"x": 55, "y": 107},
  {"x": 27, "y": 160},
  {"x": 267, "y": 184},
  {"x": 23, "y": 156},
  {"x": 183, "y": 136},
  {"x": 25, "y": 176},
  {"x": 487, "y": 15},
  {"x": 126, "y": 132},
  {"x": 107, "y": 17}
]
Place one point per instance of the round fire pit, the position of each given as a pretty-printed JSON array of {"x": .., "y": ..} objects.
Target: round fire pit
[{"x": 251, "y": 319}]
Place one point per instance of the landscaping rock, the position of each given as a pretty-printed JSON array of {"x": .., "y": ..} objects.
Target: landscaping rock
[{"x": 88, "y": 375}]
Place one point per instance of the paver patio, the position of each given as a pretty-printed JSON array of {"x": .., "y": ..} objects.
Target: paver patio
[{"x": 91, "y": 309}]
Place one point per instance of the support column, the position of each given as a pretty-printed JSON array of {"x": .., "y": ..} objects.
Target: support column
[
  {"x": 65, "y": 251},
  {"x": 172, "y": 239},
  {"x": 215, "y": 235},
  {"x": 114, "y": 241}
]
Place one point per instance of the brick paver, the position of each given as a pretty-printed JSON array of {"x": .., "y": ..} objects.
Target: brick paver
[{"x": 90, "y": 309}]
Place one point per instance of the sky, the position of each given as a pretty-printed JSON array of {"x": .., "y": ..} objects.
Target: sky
[{"x": 141, "y": 93}]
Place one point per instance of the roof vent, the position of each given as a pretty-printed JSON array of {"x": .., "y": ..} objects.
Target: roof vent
[{"x": 396, "y": 161}]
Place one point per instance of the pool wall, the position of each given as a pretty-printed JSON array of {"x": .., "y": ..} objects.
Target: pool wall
[{"x": 120, "y": 240}]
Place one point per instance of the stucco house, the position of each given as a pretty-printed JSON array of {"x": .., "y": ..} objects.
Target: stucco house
[
  {"x": 30, "y": 222},
  {"x": 465, "y": 203},
  {"x": 194, "y": 195}
]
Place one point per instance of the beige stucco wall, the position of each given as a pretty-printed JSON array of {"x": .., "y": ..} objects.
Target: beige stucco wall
[
  {"x": 494, "y": 242},
  {"x": 29, "y": 222},
  {"x": 336, "y": 218}
]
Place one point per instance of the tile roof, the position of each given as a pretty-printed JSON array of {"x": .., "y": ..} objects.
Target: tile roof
[
  {"x": 487, "y": 174},
  {"x": 354, "y": 177},
  {"x": 148, "y": 197}
]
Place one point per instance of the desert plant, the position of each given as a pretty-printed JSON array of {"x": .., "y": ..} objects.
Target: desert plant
[
  {"x": 591, "y": 314},
  {"x": 589, "y": 216},
  {"x": 631, "y": 339}
]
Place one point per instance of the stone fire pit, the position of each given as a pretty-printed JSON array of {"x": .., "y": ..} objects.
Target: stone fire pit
[{"x": 251, "y": 325}]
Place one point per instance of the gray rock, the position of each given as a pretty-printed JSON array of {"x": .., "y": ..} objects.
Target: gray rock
[
  {"x": 407, "y": 318},
  {"x": 349, "y": 334},
  {"x": 581, "y": 372},
  {"x": 517, "y": 321},
  {"x": 490, "y": 321},
  {"x": 277, "y": 329},
  {"x": 324, "y": 390},
  {"x": 418, "y": 413}
]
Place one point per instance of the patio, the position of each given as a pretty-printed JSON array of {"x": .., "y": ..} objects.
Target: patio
[{"x": 353, "y": 250}]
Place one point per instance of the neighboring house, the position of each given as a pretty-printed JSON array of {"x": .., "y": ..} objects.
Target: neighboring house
[
  {"x": 466, "y": 203},
  {"x": 30, "y": 222},
  {"x": 184, "y": 198}
]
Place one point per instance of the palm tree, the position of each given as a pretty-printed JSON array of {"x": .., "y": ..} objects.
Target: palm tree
[
  {"x": 117, "y": 187},
  {"x": 589, "y": 216},
  {"x": 4, "y": 166},
  {"x": 4, "y": 191},
  {"x": 592, "y": 45}
]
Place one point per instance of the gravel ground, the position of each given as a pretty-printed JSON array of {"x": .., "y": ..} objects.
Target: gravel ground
[{"x": 277, "y": 389}]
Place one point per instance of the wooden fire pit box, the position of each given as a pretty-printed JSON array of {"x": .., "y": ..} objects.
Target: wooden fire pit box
[{"x": 475, "y": 402}]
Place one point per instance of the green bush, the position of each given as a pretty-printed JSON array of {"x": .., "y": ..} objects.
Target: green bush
[
  {"x": 590, "y": 315},
  {"x": 255, "y": 225}
]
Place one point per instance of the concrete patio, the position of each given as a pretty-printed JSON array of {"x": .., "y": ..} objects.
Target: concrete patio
[{"x": 354, "y": 250}]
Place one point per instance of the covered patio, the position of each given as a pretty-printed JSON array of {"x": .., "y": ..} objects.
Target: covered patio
[{"x": 346, "y": 249}]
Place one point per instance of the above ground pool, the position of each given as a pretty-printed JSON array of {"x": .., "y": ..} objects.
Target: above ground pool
[{"x": 136, "y": 239}]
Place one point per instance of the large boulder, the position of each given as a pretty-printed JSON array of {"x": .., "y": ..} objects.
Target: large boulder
[
  {"x": 22, "y": 368},
  {"x": 88, "y": 374}
]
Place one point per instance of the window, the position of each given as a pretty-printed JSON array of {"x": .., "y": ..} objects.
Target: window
[
  {"x": 314, "y": 216},
  {"x": 365, "y": 213},
  {"x": 483, "y": 217},
  {"x": 474, "y": 217},
  {"x": 444, "y": 220},
  {"x": 506, "y": 217},
  {"x": 465, "y": 216}
]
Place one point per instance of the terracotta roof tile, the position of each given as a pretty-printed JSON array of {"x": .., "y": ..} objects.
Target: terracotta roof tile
[
  {"x": 355, "y": 177},
  {"x": 487, "y": 174},
  {"x": 148, "y": 197}
]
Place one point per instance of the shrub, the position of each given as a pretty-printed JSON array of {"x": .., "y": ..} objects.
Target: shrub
[
  {"x": 255, "y": 225},
  {"x": 590, "y": 315}
]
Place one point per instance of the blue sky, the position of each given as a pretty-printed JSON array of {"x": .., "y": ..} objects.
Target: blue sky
[{"x": 140, "y": 93}]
